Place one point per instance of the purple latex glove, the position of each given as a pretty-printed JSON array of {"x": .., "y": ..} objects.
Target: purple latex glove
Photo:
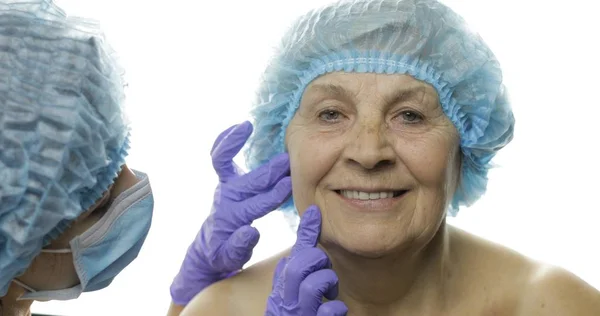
[
  {"x": 226, "y": 239},
  {"x": 305, "y": 277}
]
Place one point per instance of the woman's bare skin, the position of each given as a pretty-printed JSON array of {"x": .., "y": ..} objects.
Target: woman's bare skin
[{"x": 494, "y": 280}]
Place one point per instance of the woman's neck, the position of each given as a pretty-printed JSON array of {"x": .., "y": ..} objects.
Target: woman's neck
[
  {"x": 9, "y": 305},
  {"x": 410, "y": 281}
]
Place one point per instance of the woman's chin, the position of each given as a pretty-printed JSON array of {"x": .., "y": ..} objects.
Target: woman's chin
[{"x": 362, "y": 243}]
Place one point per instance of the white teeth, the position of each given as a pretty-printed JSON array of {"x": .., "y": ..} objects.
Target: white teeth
[{"x": 366, "y": 195}]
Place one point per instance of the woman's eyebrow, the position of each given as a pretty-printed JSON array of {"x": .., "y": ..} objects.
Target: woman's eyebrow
[
  {"x": 332, "y": 90},
  {"x": 404, "y": 94}
]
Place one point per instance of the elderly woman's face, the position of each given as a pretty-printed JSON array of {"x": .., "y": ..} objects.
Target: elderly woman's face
[{"x": 379, "y": 157}]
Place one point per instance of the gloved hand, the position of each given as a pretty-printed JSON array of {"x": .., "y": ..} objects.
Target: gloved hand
[
  {"x": 226, "y": 239},
  {"x": 302, "y": 280}
]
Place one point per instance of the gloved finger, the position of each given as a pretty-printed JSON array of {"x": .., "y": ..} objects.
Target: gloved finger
[
  {"x": 263, "y": 204},
  {"x": 308, "y": 230},
  {"x": 263, "y": 178},
  {"x": 238, "y": 248},
  {"x": 277, "y": 283},
  {"x": 230, "y": 146},
  {"x": 221, "y": 136},
  {"x": 319, "y": 284},
  {"x": 333, "y": 308},
  {"x": 299, "y": 266}
]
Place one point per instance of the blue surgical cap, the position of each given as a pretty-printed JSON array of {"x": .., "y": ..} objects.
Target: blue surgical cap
[
  {"x": 421, "y": 38},
  {"x": 63, "y": 133}
]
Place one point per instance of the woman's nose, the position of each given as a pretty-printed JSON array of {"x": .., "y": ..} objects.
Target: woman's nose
[{"x": 369, "y": 147}]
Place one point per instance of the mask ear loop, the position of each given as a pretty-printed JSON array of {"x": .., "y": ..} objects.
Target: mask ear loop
[
  {"x": 27, "y": 287},
  {"x": 23, "y": 285},
  {"x": 56, "y": 251}
]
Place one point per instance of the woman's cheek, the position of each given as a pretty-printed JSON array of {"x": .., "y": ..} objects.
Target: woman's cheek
[{"x": 312, "y": 157}]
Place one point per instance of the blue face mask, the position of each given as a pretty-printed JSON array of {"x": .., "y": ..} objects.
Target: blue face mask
[{"x": 111, "y": 244}]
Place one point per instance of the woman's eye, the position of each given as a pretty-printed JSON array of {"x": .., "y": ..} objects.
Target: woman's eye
[
  {"x": 411, "y": 117},
  {"x": 329, "y": 115}
]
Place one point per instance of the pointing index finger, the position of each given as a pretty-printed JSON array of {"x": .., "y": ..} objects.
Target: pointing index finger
[
  {"x": 228, "y": 148},
  {"x": 221, "y": 136},
  {"x": 308, "y": 230}
]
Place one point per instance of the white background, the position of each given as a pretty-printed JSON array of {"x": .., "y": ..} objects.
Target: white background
[{"x": 193, "y": 66}]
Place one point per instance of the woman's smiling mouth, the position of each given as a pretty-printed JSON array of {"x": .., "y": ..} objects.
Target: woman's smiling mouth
[{"x": 371, "y": 200}]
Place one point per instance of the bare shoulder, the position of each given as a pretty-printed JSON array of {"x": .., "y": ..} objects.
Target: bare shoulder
[
  {"x": 487, "y": 260},
  {"x": 243, "y": 294},
  {"x": 515, "y": 284},
  {"x": 556, "y": 291},
  {"x": 490, "y": 277},
  {"x": 213, "y": 300}
]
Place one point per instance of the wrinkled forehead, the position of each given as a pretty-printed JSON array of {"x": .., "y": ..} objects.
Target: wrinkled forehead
[
  {"x": 352, "y": 80},
  {"x": 349, "y": 85}
]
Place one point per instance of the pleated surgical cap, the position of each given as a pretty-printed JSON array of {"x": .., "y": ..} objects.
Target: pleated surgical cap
[
  {"x": 422, "y": 38},
  {"x": 63, "y": 133}
]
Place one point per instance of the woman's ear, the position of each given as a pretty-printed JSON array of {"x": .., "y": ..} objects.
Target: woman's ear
[
  {"x": 458, "y": 167},
  {"x": 124, "y": 181}
]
